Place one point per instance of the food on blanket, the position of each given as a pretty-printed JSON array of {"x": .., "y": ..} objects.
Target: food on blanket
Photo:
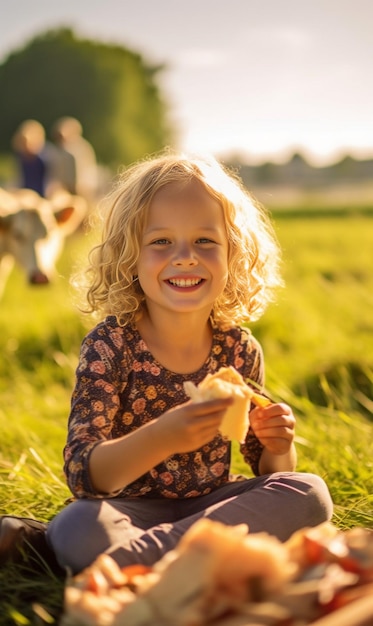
[
  {"x": 227, "y": 382},
  {"x": 353, "y": 549},
  {"x": 234, "y": 558},
  {"x": 224, "y": 576},
  {"x": 306, "y": 545},
  {"x": 208, "y": 574}
]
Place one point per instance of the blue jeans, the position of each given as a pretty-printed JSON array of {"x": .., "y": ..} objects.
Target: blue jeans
[{"x": 142, "y": 530}]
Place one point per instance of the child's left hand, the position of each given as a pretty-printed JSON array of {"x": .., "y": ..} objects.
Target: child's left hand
[{"x": 274, "y": 426}]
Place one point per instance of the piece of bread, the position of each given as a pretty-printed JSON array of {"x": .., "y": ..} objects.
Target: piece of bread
[{"x": 226, "y": 383}]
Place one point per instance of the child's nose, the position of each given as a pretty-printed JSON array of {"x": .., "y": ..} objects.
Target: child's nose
[{"x": 184, "y": 255}]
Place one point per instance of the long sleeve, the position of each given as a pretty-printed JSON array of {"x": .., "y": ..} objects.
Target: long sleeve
[
  {"x": 252, "y": 449},
  {"x": 95, "y": 402}
]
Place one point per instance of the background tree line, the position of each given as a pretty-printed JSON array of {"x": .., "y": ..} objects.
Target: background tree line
[
  {"x": 116, "y": 96},
  {"x": 111, "y": 90},
  {"x": 298, "y": 172}
]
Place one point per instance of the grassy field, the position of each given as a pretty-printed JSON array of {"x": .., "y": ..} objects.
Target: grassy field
[{"x": 317, "y": 339}]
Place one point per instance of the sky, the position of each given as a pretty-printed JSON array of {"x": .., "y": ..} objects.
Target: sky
[{"x": 256, "y": 78}]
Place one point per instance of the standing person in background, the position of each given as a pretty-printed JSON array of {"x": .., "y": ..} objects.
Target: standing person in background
[
  {"x": 67, "y": 133},
  {"x": 28, "y": 144},
  {"x": 41, "y": 165}
]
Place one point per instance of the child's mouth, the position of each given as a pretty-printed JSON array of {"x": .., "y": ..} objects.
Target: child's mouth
[{"x": 184, "y": 283}]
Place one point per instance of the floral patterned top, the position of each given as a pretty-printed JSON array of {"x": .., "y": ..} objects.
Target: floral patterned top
[{"x": 120, "y": 386}]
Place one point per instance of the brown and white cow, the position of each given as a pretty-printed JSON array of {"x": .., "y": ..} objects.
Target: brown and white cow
[{"x": 33, "y": 231}]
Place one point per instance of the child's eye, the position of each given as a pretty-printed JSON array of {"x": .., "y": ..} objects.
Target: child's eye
[
  {"x": 160, "y": 242},
  {"x": 205, "y": 240}
]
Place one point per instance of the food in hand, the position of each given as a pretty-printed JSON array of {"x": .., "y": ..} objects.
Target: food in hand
[{"x": 228, "y": 383}]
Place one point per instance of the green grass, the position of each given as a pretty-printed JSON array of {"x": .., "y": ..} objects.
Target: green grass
[
  {"x": 317, "y": 341},
  {"x": 322, "y": 320}
]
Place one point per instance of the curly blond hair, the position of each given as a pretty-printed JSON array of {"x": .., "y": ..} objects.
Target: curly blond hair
[{"x": 253, "y": 251}]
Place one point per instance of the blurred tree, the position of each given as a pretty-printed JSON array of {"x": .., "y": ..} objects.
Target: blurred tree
[{"x": 109, "y": 89}]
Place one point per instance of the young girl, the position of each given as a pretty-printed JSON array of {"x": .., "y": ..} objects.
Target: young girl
[{"x": 186, "y": 258}]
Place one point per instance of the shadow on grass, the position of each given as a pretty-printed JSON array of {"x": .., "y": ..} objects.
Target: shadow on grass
[
  {"x": 341, "y": 385},
  {"x": 30, "y": 596}
]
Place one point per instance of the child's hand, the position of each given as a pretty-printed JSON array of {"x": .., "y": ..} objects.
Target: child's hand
[
  {"x": 274, "y": 425},
  {"x": 193, "y": 424}
]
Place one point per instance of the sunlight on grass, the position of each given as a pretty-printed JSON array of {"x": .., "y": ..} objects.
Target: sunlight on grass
[{"x": 323, "y": 316}]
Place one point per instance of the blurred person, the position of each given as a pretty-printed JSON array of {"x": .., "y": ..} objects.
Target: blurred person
[
  {"x": 42, "y": 166},
  {"x": 28, "y": 143},
  {"x": 67, "y": 134}
]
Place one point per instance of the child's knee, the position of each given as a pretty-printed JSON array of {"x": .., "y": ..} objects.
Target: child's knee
[
  {"x": 74, "y": 536},
  {"x": 320, "y": 501}
]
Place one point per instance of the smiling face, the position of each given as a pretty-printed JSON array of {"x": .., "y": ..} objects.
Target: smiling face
[{"x": 183, "y": 265}]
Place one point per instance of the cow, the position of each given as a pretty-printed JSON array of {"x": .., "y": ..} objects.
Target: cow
[{"x": 33, "y": 231}]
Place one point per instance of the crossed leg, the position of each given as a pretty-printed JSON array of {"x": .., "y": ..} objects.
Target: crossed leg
[{"x": 142, "y": 530}]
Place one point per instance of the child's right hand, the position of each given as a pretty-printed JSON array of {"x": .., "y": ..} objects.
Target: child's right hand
[{"x": 193, "y": 424}]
